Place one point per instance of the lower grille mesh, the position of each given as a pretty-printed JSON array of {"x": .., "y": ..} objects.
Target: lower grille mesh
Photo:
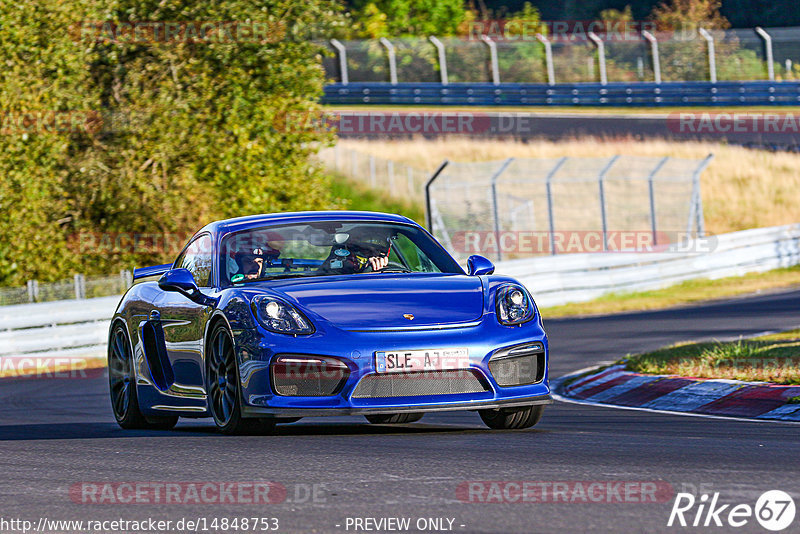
[{"x": 412, "y": 384}]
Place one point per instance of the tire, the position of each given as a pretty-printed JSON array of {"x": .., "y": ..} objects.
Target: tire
[
  {"x": 394, "y": 418},
  {"x": 512, "y": 418},
  {"x": 122, "y": 386},
  {"x": 222, "y": 386}
]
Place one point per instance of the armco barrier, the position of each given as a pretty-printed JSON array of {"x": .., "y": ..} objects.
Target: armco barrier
[
  {"x": 575, "y": 94},
  {"x": 60, "y": 329},
  {"x": 555, "y": 280},
  {"x": 74, "y": 328}
]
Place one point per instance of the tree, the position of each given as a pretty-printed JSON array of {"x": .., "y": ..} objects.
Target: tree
[
  {"x": 408, "y": 18},
  {"x": 190, "y": 129}
]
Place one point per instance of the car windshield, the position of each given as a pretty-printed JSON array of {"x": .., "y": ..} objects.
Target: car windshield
[{"x": 330, "y": 248}]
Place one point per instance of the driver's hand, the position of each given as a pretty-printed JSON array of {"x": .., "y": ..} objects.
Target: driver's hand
[{"x": 378, "y": 262}]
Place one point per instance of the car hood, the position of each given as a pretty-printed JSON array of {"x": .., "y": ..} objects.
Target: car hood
[{"x": 380, "y": 301}]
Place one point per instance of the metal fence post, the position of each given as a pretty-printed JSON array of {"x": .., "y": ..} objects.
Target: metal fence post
[
  {"x": 392, "y": 60},
  {"x": 342, "y": 60},
  {"x": 80, "y": 286},
  {"x": 696, "y": 212},
  {"x": 652, "y": 195},
  {"x": 33, "y": 290},
  {"x": 656, "y": 57},
  {"x": 442, "y": 58},
  {"x": 601, "y": 56},
  {"x": 768, "y": 45},
  {"x": 428, "y": 210},
  {"x": 548, "y": 57},
  {"x": 550, "y": 216},
  {"x": 712, "y": 61},
  {"x": 127, "y": 278},
  {"x": 493, "y": 58},
  {"x": 495, "y": 207},
  {"x": 600, "y": 179},
  {"x": 390, "y": 172}
]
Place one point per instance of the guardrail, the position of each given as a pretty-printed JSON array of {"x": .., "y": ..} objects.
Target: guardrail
[
  {"x": 79, "y": 328},
  {"x": 68, "y": 329},
  {"x": 569, "y": 94},
  {"x": 558, "y": 280}
]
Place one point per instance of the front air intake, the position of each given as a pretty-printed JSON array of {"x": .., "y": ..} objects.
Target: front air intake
[
  {"x": 518, "y": 366},
  {"x": 419, "y": 384},
  {"x": 297, "y": 375}
]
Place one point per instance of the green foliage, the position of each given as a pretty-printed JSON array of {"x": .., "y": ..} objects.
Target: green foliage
[
  {"x": 356, "y": 196},
  {"x": 190, "y": 129},
  {"x": 401, "y": 18}
]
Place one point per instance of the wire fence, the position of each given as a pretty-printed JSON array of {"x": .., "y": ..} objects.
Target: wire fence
[
  {"x": 78, "y": 287},
  {"x": 518, "y": 208},
  {"x": 397, "y": 179},
  {"x": 690, "y": 55}
]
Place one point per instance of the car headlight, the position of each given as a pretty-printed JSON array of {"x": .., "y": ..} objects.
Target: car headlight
[
  {"x": 514, "y": 306},
  {"x": 278, "y": 316}
]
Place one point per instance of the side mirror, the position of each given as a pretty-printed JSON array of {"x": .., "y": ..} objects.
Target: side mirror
[
  {"x": 477, "y": 265},
  {"x": 182, "y": 281}
]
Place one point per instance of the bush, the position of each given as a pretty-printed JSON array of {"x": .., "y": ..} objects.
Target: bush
[{"x": 166, "y": 135}]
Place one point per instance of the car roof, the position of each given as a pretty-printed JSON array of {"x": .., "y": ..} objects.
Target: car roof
[{"x": 255, "y": 221}]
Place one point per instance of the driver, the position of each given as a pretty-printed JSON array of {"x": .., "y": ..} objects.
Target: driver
[
  {"x": 358, "y": 257},
  {"x": 250, "y": 264}
]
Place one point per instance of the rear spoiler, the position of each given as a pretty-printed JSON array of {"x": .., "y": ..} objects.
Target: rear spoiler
[{"x": 147, "y": 272}]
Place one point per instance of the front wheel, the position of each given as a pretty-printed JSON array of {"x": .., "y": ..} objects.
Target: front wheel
[
  {"x": 222, "y": 385},
  {"x": 122, "y": 387},
  {"x": 512, "y": 418}
]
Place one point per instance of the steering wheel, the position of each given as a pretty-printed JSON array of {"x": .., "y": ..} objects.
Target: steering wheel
[{"x": 393, "y": 266}]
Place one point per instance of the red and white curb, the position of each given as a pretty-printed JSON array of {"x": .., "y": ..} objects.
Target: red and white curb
[{"x": 697, "y": 396}]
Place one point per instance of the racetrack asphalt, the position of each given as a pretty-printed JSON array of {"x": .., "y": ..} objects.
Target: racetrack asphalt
[{"x": 58, "y": 433}]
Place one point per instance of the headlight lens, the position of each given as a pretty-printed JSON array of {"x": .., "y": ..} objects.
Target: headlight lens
[
  {"x": 278, "y": 316},
  {"x": 514, "y": 306}
]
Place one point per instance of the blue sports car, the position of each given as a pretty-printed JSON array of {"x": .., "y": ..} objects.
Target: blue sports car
[{"x": 270, "y": 318}]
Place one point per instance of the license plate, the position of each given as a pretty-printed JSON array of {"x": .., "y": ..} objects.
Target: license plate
[{"x": 405, "y": 361}]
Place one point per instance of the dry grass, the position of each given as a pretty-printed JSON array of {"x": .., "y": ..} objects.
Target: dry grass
[
  {"x": 773, "y": 358},
  {"x": 742, "y": 188}
]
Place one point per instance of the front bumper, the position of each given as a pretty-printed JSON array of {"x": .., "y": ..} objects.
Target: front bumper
[
  {"x": 256, "y": 351},
  {"x": 253, "y": 411}
]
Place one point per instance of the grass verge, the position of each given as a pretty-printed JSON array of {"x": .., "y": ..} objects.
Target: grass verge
[
  {"x": 684, "y": 293},
  {"x": 356, "y": 196},
  {"x": 773, "y": 358}
]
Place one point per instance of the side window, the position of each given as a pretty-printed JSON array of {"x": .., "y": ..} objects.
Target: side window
[
  {"x": 198, "y": 258},
  {"x": 405, "y": 252}
]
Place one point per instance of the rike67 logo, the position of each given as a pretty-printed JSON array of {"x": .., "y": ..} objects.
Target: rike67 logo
[{"x": 774, "y": 510}]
